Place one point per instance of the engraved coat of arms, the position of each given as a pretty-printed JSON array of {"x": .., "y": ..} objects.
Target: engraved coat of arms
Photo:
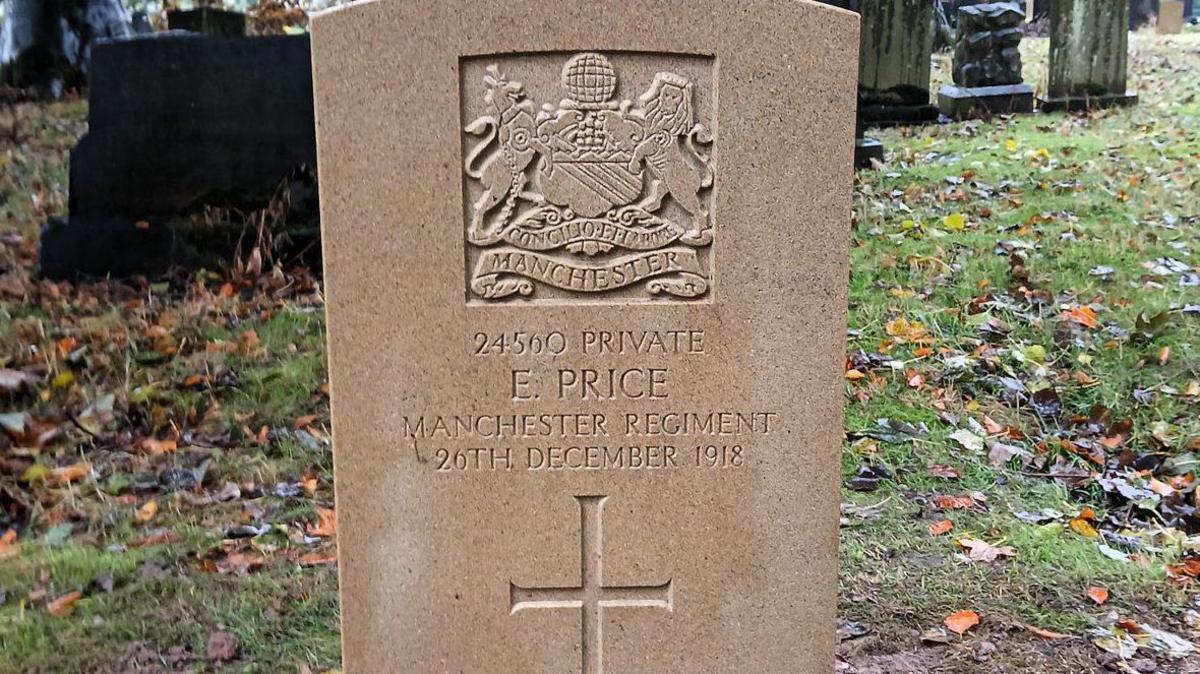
[{"x": 593, "y": 194}]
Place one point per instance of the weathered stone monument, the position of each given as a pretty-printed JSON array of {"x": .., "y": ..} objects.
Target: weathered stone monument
[
  {"x": 987, "y": 63},
  {"x": 1170, "y": 17},
  {"x": 1089, "y": 44},
  {"x": 895, "y": 62},
  {"x": 178, "y": 122},
  {"x": 586, "y": 327}
]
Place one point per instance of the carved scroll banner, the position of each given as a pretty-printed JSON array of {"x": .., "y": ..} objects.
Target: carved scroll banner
[
  {"x": 606, "y": 234},
  {"x": 507, "y": 271}
]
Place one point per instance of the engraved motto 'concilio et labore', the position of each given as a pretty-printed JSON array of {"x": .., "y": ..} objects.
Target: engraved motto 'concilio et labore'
[{"x": 592, "y": 197}]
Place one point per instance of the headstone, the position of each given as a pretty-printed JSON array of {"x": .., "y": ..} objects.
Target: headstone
[
  {"x": 208, "y": 21},
  {"x": 867, "y": 150},
  {"x": 987, "y": 63},
  {"x": 586, "y": 300},
  {"x": 895, "y": 61},
  {"x": 1170, "y": 17},
  {"x": 1089, "y": 41},
  {"x": 177, "y": 121}
]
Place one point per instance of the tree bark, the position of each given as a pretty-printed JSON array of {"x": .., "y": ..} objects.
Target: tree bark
[{"x": 47, "y": 44}]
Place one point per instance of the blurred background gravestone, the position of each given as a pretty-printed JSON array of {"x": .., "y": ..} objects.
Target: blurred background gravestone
[
  {"x": 866, "y": 150},
  {"x": 208, "y": 21},
  {"x": 46, "y": 45},
  {"x": 1170, "y": 17},
  {"x": 1089, "y": 44},
  {"x": 987, "y": 63},
  {"x": 895, "y": 62},
  {"x": 224, "y": 135}
]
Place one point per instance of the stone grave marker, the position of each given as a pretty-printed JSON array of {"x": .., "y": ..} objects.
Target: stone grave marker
[
  {"x": 586, "y": 275},
  {"x": 895, "y": 61},
  {"x": 1170, "y": 17},
  {"x": 178, "y": 121},
  {"x": 1089, "y": 44},
  {"x": 987, "y": 63},
  {"x": 208, "y": 21}
]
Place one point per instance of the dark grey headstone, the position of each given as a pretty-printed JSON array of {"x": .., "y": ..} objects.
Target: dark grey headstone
[
  {"x": 208, "y": 21},
  {"x": 178, "y": 121},
  {"x": 987, "y": 63}
]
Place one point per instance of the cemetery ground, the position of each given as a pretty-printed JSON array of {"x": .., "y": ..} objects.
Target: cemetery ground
[{"x": 1022, "y": 438}]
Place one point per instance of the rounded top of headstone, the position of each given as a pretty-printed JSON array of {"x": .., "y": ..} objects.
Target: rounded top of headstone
[{"x": 589, "y": 78}]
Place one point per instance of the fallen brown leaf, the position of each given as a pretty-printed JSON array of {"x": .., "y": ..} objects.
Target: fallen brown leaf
[
  {"x": 961, "y": 621},
  {"x": 146, "y": 512},
  {"x": 64, "y": 605},
  {"x": 326, "y": 525}
]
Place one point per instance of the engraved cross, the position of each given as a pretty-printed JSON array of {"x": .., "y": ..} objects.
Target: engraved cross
[{"x": 592, "y": 596}]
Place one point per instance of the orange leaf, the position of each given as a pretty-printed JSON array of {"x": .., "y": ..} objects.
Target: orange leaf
[
  {"x": 64, "y": 605},
  {"x": 1083, "y": 528},
  {"x": 1164, "y": 355},
  {"x": 68, "y": 474},
  {"x": 946, "y": 502},
  {"x": 1098, "y": 595},
  {"x": 309, "y": 483},
  {"x": 1046, "y": 634},
  {"x": 1084, "y": 316},
  {"x": 326, "y": 525},
  {"x": 854, "y": 375},
  {"x": 319, "y": 557},
  {"x": 158, "y": 447},
  {"x": 8, "y": 545},
  {"x": 1190, "y": 568},
  {"x": 962, "y": 621},
  {"x": 146, "y": 512},
  {"x": 939, "y": 528}
]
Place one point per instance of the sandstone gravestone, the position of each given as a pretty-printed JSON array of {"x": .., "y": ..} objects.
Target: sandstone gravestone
[
  {"x": 586, "y": 272},
  {"x": 1089, "y": 41},
  {"x": 987, "y": 63},
  {"x": 1170, "y": 17},
  {"x": 895, "y": 61}
]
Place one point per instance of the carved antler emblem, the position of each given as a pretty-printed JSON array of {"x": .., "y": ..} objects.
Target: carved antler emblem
[{"x": 592, "y": 194}]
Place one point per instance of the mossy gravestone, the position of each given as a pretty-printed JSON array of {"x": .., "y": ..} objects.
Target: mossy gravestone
[
  {"x": 987, "y": 63},
  {"x": 586, "y": 270},
  {"x": 1089, "y": 44},
  {"x": 895, "y": 61}
]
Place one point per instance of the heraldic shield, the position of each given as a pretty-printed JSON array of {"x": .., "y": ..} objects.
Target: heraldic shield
[{"x": 595, "y": 197}]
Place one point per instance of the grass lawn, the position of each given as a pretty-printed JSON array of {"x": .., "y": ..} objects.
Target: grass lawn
[{"x": 1022, "y": 436}]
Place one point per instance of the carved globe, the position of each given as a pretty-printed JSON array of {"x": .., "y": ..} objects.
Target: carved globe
[{"x": 589, "y": 78}]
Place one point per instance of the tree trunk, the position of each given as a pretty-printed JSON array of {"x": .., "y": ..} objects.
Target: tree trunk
[{"x": 47, "y": 44}]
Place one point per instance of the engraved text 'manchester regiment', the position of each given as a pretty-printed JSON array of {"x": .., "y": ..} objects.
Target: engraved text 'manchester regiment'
[
  {"x": 592, "y": 596},
  {"x": 593, "y": 194}
]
